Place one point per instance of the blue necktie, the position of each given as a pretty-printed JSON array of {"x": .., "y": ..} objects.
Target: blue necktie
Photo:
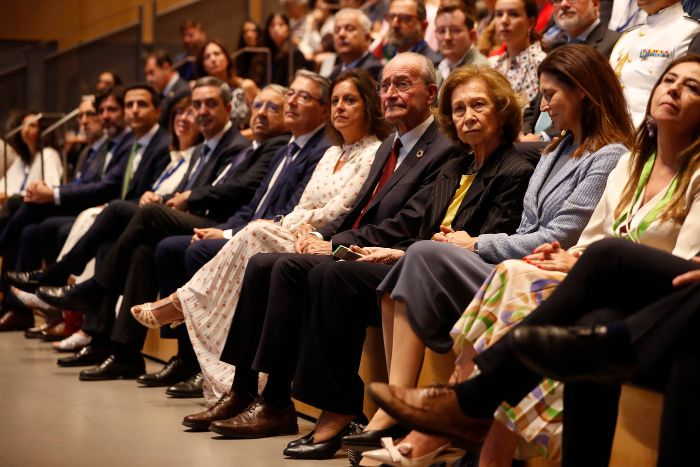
[
  {"x": 202, "y": 161},
  {"x": 291, "y": 150}
]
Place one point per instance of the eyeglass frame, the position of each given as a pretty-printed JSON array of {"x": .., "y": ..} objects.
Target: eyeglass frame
[
  {"x": 259, "y": 106},
  {"x": 393, "y": 83},
  {"x": 302, "y": 97}
]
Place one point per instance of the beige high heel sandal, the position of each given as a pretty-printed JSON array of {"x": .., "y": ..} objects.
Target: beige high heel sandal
[{"x": 144, "y": 313}]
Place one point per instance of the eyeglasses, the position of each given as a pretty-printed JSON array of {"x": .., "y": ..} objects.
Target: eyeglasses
[
  {"x": 559, "y": 2},
  {"x": 302, "y": 97},
  {"x": 401, "y": 17},
  {"x": 271, "y": 107},
  {"x": 401, "y": 85},
  {"x": 453, "y": 31},
  {"x": 89, "y": 114}
]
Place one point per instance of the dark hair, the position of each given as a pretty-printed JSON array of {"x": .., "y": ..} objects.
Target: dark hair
[
  {"x": 258, "y": 30},
  {"x": 117, "y": 79},
  {"x": 116, "y": 92},
  {"x": 604, "y": 117},
  {"x": 469, "y": 20},
  {"x": 18, "y": 143},
  {"x": 155, "y": 98},
  {"x": 504, "y": 98},
  {"x": 182, "y": 102},
  {"x": 161, "y": 57},
  {"x": 199, "y": 64},
  {"x": 645, "y": 146},
  {"x": 269, "y": 43},
  {"x": 375, "y": 124},
  {"x": 190, "y": 23}
]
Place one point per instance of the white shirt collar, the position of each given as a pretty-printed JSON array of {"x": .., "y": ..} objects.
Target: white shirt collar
[
  {"x": 186, "y": 155},
  {"x": 303, "y": 139},
  {"x": 145, "y": 139},
  {"x": 584, "y": 35},
  {"x": 410, "y": 138},
  {"x": 667, "y": 14},
  {"x": 213, "y": 141},
  {"x": 99, "y": 143}
]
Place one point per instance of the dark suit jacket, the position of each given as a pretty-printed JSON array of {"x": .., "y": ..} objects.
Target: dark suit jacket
[
  {"x": 230, "y": 144},
  {"x": 368, "y": 62},
  {"x": 154, "y": 159},
  {"x": 221, "y": 201},
  {"x": 179, "y": 89},
  {"x": 603, "y": 40},
  {"x": 85, "y": 195},
  {"x": 432, "y": 55},
  {"x": 493, "y": 203},
  {"x": 396, "y": 212},
  {"x": 289, "y": 185}
]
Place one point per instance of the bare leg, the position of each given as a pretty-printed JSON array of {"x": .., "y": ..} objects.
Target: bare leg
[
  {"x": 329, "y": 424},
  {"x": 499, "y": 448},
  {"x": 388, "y": 328}
]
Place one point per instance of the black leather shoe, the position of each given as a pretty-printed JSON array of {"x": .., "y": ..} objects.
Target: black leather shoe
[
  {"x": 175, "y": 371},
  {"x": 27, "y": 281},
  {"x": 35, "y": 332},
  {"x": 573, "y": 354},
  {"x": 325, "y": 450},
  {"x": 16, "y": 321},
  {"x": 88, "y": 355},
  {"x": 85, "y": 297},
  {"x": 187, "y": 389},
  {"x": 371, "y": 439},
  {"x": 113, "y": 368}
]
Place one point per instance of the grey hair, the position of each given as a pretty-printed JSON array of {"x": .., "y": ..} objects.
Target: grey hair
[
  {"x": 427, "y": 69},
  {"x": 363, "y": 19},
  {"x": 281, "y": 90},
  {"x": 323, "y": 84},
  {"x": 224, "y": 88}
]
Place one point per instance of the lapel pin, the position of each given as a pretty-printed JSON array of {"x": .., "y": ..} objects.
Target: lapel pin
[{"x": 419, "y": 154}]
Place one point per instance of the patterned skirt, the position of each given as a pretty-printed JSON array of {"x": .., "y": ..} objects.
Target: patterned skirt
[{"x": 510, "y": 293}]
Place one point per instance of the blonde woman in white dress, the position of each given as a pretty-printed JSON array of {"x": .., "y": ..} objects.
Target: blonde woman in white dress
[{"x": 208, "y": 301}]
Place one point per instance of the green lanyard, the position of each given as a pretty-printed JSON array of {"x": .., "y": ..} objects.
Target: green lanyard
[{"x": 653, "y": 214}]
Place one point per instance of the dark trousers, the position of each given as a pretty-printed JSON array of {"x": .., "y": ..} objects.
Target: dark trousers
[
  {"x": 28, "y": 214},
  {"x": 265, "y": 333},
  {"x": 611, "y": 275},
  {"x": 341, "y": 302},
  {"x": 129, "y": 267}
]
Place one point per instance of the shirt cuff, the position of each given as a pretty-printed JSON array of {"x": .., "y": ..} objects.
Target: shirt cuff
[
  {"x": 228, "y": 234},
  {"x": 317, "y": 235},
  {"x": 544, "y": 136},
  {"x": 57, "y": 196}
]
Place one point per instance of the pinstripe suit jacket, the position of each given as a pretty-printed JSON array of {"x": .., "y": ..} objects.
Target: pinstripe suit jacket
[
  {"x": 558, "y": 210},
  {"x": 494, "y": 201}
]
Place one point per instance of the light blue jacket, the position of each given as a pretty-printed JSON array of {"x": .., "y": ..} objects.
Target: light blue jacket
[{"x": 558, "y": 210}]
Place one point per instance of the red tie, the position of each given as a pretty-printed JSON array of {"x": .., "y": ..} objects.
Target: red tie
[{"x": 387, "y": 172}]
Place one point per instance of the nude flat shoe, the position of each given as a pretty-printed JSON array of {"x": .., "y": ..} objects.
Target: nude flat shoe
[
  {"x": 145, "y": 313},
  {"x": 396, "y": 454}
]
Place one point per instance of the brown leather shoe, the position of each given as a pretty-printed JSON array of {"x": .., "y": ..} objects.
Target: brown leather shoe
[
  {"x": 258, "y": 420},
  {"x": 230, "y": 405},
  {"x": 432, "y": 410},
  {"x": 15, "y": 321}
]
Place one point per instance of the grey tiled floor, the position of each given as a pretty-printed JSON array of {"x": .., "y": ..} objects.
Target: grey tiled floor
[{"x": 49, "y": 418}]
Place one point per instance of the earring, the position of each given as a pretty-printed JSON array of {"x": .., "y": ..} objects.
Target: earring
[{"x": 650, "y": 125}]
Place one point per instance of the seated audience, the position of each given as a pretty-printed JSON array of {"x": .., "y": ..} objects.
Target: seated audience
[
  {"x": 434, "y": 281},
  {"x": 193, "y": 39},
  {"x": 351, "y": 38},
  {"x": 107, "y": 80},
  {"x": 642, "y": 53},
  {"x": 215, "y": 60},
  {"x": 649, "y": 199},
  {"x": 407, "y": 23},
  {"x": 330, "y": 194},
  {"x": 162, "y": 77},
  {"x": 454, "y": 29},
  {"x": 515, "y": 20},
  {"x": 251, "y": 65},
  {"x": 277, "y": 40}
]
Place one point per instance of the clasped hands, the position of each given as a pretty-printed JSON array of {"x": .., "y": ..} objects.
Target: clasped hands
[
  {"x": 38, "y": 193},
  {"x": 307, "y": 243},
  {"x": 461, "y": 238},
  {"x": 552, "y": 257}
]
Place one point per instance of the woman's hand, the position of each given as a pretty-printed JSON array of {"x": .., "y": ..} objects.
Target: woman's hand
[
  {"x": 544, "y": 251},
  {"x": 302, "y": 230},
  {"x": 552, "y": 257},
  {"x": 688, "y": 277},
  {"x": 377, "y": 254},
  {"x": 461, "y": 239}
]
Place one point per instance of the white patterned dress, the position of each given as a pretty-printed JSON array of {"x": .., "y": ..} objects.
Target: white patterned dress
[
  {"x": 209, "y": 299},
  {"x": 521, "y": 70}
]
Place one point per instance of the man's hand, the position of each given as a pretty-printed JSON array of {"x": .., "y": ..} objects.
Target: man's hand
[
  {"x": 379, "y": 255},
  {"x": 148, "y": 198},
  {"x": 688, "y": 277},
  {"x": 179, "y": 201},
  {"x": 39, "y": 193},
  {"x": 207, "y": 234}
]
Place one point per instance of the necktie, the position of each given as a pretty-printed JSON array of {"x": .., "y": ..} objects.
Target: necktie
[
  {"x": 129, "y": 172},
  {"x": 201, "y": 162},
  {"x": 262, "y": 207},
  {"x": 387, "y": 172},
  {"x": 85, "y": 166}
]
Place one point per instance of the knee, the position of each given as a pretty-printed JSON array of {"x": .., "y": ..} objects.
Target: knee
[
  {"x": 424, "y": 252},
  {"x": 170, "y": 248},
  {"x": 200, "y": 253}
]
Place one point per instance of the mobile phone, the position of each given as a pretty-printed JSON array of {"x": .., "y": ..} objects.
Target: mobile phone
[{"x": 345, "y": 253}]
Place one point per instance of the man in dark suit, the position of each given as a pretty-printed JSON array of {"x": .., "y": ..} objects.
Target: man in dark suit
[
  {"x": 162, "y": 77},
  {"x": 579, "y": 23},
  {"x": 391, "y": 204},
  {"x": 408, "y": 21},
  {"x": 351, "y": 38}
]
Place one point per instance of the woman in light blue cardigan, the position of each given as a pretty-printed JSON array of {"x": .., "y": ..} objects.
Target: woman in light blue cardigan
[{"x": 428, "y": 289}]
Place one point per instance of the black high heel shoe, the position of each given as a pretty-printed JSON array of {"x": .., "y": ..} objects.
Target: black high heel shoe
[
  {"x": 371, "y": 439},
  {"x": 305, "y": 448}
]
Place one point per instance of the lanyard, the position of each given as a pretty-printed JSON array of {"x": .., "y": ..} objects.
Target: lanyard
[
  {"x": 167, "y": 173},
  {"x": 26, "y": 177},
  {"x": 653, "y": 214}
]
